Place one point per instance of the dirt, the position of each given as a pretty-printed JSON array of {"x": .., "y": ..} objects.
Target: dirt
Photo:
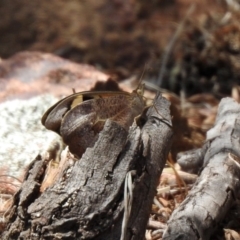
[{"x": 120, "y": 37}]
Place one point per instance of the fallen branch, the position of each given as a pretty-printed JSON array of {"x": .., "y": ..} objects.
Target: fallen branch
[{"x": 217, "y": 187}]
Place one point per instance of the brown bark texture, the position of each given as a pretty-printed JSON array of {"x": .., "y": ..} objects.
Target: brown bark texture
[
  {"x": 88, "y": 199},
  {"x": 217, "y": 187}
]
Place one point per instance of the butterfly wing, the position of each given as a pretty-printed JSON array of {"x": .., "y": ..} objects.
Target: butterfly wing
[
  {"x": 82, "y": 124},
  {"x": 80, "y": 117},
  {"x": 52, "y": 118}
]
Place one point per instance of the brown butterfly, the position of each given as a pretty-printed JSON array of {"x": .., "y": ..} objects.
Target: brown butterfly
[{"x": 80, "y": 117}]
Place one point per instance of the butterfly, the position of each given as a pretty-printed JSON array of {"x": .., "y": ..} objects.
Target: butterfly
[{"x": 80, "y": 117}]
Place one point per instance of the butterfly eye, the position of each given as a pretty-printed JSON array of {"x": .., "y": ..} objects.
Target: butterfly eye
[{"x": 139, "y": 92}]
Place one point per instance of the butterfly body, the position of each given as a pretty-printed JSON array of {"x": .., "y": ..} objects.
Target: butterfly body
[{"x": 80, "y": 117}]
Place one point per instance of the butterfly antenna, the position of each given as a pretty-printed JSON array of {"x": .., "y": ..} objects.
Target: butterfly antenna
[
  {"x": 140, "y": 87},
  {"x": 143, "y": 72}
]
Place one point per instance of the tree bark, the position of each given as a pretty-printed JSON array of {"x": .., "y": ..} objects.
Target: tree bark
[
  {"x": 87, "y": 199},
  {"x": 217, "y": 187}
]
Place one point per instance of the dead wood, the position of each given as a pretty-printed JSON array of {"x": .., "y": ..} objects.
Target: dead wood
[
  {"x": 191, "y": 161},
  {"x": 87, "y": 199},
  {"x": 218, "y": 185}
]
